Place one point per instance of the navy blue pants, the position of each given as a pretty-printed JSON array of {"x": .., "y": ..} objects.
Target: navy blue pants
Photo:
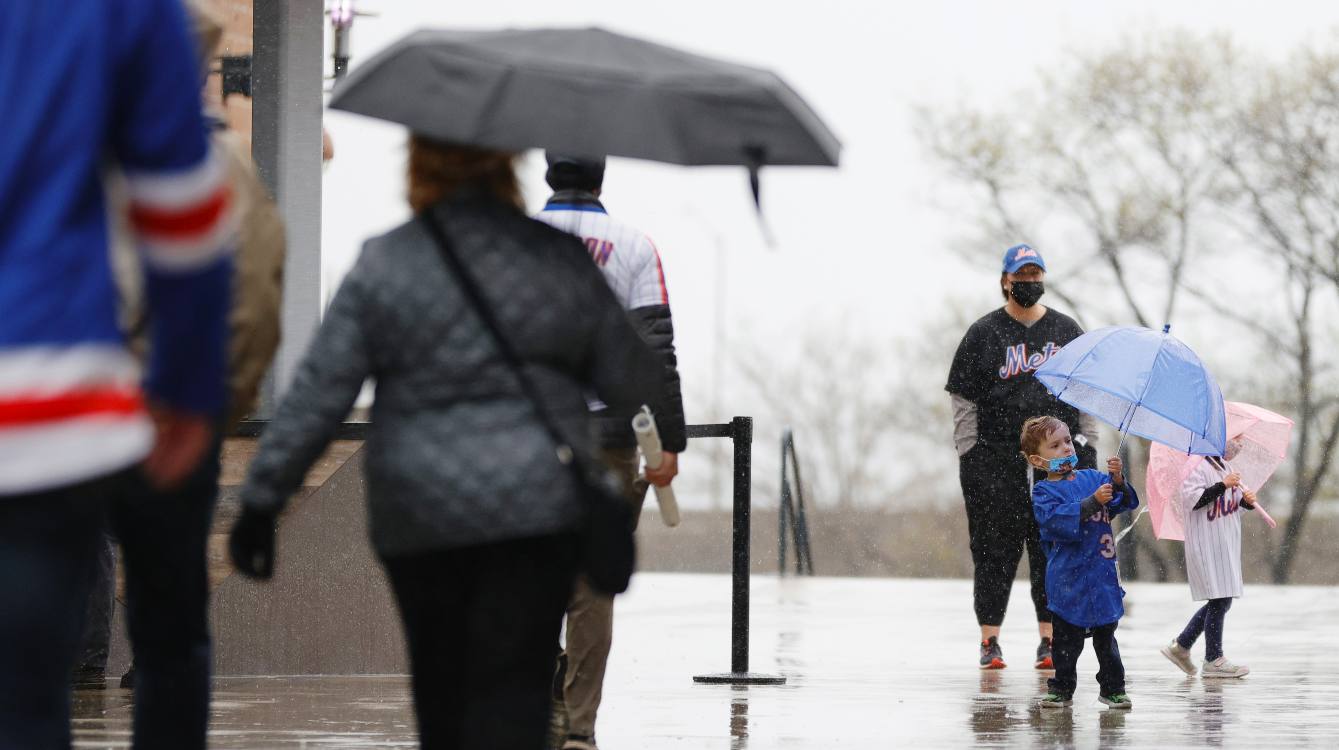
[
  {"x": 163, "y": 539},
  {"x": 1209, "y": 621},
  {"x": 1067, "y": 644},
  {"x": 48, "y": 545}
]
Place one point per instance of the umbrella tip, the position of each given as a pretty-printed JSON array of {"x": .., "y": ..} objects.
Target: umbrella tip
[{"x": 755, "y": 157}]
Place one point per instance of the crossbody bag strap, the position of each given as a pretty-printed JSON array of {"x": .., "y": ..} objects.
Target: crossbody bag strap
[{"x": 432, "y": 220}]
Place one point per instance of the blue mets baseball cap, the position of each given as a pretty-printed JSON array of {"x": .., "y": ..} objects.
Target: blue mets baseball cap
[{"x": 1022, "y": 255}]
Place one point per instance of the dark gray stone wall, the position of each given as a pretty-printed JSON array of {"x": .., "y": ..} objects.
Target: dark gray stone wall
[{"x": 327, "y": 610}]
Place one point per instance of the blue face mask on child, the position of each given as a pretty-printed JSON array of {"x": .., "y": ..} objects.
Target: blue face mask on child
[{"x": 1058, "y": 465}]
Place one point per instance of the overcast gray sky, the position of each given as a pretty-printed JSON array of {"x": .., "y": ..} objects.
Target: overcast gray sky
[{"x": 842, "y": 236}]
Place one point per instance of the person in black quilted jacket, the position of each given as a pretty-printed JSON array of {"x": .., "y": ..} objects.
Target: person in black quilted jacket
[{"x": 471, "y": 511}]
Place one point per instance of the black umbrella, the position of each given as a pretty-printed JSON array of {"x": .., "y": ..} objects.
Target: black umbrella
[{"x": 587, "y": 92}]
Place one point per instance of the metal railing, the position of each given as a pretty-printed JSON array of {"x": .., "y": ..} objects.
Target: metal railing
[
  {"x": 740, "y": 432},
  {"x": 791, "y": 524},
  {"x": 251, "y": 428}
]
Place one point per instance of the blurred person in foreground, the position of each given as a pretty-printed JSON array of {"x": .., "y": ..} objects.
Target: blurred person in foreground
[
  {"x": 164, "y": 532},
  {"x": 630, "y": 263},
  {"x": 993, "y": 391},
  {"x": 97, "y": 82},
  {"x": 472, "y": 512}
]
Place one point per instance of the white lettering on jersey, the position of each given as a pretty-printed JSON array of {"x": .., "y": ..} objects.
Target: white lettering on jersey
[{"x": 1017, "y": 361}]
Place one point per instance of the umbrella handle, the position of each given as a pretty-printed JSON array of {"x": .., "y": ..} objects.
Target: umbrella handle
[
  {"x": 1265, "y": 515},
  {"x": 1130, "y": 528},
  {"x": 1258, "y": 507}
]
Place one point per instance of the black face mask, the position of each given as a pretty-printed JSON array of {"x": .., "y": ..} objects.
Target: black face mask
[{"x": 1026, "y": 293}]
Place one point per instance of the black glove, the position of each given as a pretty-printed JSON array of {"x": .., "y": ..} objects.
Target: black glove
[{"x": 251, "y": 544}]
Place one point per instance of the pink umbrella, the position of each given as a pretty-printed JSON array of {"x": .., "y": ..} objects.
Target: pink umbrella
[{"x": 1265, "y": 437}]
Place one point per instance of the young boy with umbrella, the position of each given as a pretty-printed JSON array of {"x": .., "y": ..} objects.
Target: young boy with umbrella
[
  {"x": 1074, "y": 510},
  {"x": 1145, "y": 383}
]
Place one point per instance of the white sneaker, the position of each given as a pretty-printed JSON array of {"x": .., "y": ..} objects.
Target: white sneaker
[
  {"x": 1221, "y": 667},
  {"x": 1179, "y": 656}
]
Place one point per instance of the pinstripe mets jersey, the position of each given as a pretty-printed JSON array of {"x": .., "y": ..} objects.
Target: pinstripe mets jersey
[
  {"x": 1213, "y": 535},
  {"x": 625, "y": 255}
]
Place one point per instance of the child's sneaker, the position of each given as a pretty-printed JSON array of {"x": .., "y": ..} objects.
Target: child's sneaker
[
  {"x": 991, "y": 655},
  {"x": 1117, "y": 700},
  {"x": 1055, "y": 700},
  {"x": 1179, "y": 656},
  {"x": 1221, "y": 667},
  {"x": 1044, "y": 660}
]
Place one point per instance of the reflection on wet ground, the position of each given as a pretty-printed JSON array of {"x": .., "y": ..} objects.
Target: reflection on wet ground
[
  {"x": 274, "y": 712},
  {"x": 871, "y": 664}
]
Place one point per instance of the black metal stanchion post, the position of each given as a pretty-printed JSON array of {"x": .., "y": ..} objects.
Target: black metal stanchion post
[
  {"x": 742, "y": 434},
  {"x": 739, "y": 558}
]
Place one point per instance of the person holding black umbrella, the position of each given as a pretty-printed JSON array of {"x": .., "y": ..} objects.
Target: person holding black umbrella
[
  {"x": 474, "y": 508},
  {"x": 585, "y": 91},
  {"x": 630, "y": 263},
  {"x": 994, "y": 393}
]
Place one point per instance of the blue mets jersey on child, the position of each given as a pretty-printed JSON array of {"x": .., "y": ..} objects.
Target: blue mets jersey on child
[{"x": 1081, "y": 582}]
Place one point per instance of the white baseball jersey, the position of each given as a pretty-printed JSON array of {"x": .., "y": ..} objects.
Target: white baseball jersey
[
  {"x": 1213, "y": 535},
  {"x": 625, "y": 255}
]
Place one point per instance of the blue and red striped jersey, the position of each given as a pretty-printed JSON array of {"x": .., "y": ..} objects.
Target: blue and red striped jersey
[{"x": 87, "y": 86}]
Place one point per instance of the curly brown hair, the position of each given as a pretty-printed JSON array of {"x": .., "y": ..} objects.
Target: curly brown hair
[
  {"x": 438, "y": 169},
  {"x": 1035, "y": 431}
]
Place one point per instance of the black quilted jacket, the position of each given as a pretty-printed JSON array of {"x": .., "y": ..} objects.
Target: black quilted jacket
[
  {"x": 656, "y": 326},
  {"x": 455, "y": 455}
]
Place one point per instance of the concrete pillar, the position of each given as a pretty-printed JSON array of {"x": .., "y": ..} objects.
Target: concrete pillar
[{"x": 287, "y": 83}]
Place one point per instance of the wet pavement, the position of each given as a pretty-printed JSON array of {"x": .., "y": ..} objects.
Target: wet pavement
[{"x": 869, "y": 663}]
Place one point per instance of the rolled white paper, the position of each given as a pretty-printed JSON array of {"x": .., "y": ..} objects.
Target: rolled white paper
[{"x": 648, "y": 439}]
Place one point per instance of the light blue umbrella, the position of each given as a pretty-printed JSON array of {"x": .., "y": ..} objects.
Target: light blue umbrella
[{"x": 1143, "y": 383}]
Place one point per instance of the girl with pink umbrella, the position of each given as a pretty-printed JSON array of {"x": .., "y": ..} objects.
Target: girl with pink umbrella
[{"x": 1201, "y": 499}]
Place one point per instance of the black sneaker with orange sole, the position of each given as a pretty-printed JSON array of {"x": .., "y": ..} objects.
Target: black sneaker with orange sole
[
  {"x": 991, "y": 655},
  {"x": 1044, "y": 660}
]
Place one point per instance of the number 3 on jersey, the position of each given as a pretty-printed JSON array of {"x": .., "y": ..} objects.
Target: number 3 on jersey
[{"x": 1108, "y": 543}]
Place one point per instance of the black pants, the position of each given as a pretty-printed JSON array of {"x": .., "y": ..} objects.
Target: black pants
[
  {"x": 48, "y": 542},
  {"x": 163, "y": 539},
  {"x": 1067, "y": 644},
  {"x": 1000, "y": 524},
  {"x": 101, "y": 601},
  {"x": 1209, "y": 621},
  {"x": 480, "y": 624}
]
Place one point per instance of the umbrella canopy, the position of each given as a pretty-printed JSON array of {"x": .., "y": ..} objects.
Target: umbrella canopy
[
  {"x": 1143, "y": 383},
  {"x": 587, "y": 92},
  {"x": 1265, "y": 437}
]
